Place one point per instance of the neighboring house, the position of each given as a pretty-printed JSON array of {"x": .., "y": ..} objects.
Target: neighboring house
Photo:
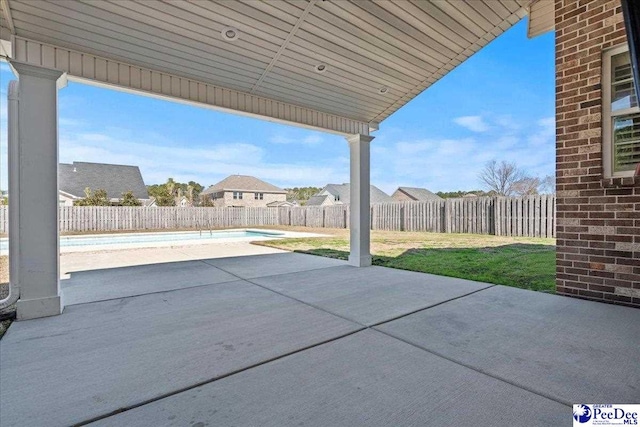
[
  {"x": 414, "y": 194},
  {"x": 244, "y": 190},
  {"x": 114, "y": 179},
  {"x": 321, "y": 200},
  {"x": 182, "y": 202},
  {"x": 339, "y": 194}
]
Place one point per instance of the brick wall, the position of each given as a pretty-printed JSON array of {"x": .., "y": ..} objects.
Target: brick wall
[
  {"x": 249, "y": 200},
  {"x": 598, "y": 225}
]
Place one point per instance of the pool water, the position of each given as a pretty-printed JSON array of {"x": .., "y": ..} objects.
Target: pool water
[{"x": 120, "y": 239}]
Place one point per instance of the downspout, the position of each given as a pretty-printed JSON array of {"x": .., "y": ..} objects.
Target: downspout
[{"x": 14, "y": 204}]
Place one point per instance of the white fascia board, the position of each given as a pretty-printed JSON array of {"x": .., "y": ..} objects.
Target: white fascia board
[{"x": 95, "y": 70}]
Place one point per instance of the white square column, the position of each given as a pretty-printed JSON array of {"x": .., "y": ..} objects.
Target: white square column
[
  {"x": 360, "y": 217},
  {"x": 34, "y": 172}
]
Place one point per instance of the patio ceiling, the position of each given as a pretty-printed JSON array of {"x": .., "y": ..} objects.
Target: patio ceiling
[{"x": 378, "y": 55}]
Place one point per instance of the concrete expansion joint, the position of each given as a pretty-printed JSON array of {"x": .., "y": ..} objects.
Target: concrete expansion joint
[{"x": 361, "y": 327}]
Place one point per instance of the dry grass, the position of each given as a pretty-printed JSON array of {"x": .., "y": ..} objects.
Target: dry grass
[
  {"x": 394, "y": 243},
  {"x": 4, "y": 269},
  {"x": 522, "y": 262},
  {"x": 4, "y": 276}
]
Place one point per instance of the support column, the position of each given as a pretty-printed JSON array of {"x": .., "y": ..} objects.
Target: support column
[
  {"x": 34, "y": 177},
  {"x": 360, "y": 219}
]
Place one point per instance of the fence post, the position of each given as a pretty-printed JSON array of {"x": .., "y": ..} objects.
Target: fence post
[
  {"x": 495, "y": 212},
  {"x": 371, "y": 217},
  {"x": 324, "y": 215},
  {"x": 346, "y": 217},
  {"x": 446, "y": 218}
]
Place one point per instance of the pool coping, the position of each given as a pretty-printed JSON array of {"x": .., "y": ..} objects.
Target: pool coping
[{"x": 271, "y": 235}]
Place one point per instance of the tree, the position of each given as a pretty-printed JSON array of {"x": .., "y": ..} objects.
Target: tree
[
  {"x": 548, "y": 185},
  {"x": 526, "y": 186},
  {"x": 206, "y": 202},
  {"x": 128, "y": 199},
  {"x": 301, "y": 194},
  {"x": 460, "y": 193},
  {"x": 97, "y": 198},
  {"x": 166, "y": 194},
  {"x": 193, "y": 191},
  {"x": 501, "y": 177}
]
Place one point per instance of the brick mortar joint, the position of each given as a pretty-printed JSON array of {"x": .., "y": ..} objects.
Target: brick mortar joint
[{"x": 621, "y": 182}]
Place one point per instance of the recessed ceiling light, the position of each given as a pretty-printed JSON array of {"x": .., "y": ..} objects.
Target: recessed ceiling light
[
  {"x": 230, "y": 33},
  {"x": 383, "y": 89},
  {"x": 321, "y": 68}
]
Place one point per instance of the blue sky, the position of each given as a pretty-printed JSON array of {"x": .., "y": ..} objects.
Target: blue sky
[{"x": 498, "y": 105}]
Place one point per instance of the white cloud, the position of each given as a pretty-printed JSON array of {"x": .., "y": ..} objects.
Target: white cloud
[
  {"x": 159, "y": 159},
  {"x": 507, "y": 123},
  {"x": 453, "y": 164},
  {"x": 312, "y": 139},
  {"x": 546, "y": 132},
  {"x": 62, "y": 121},
  {"x": 473, "y": 123}
]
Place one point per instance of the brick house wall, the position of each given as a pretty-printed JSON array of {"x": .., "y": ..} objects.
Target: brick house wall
[
  {"x": 598, "y": 222},
  {"x": 249, "y": 200}
]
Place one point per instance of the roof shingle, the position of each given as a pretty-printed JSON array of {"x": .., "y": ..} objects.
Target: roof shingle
[
  {"x": 419, "y": 194},
  {"x": 114, "y": 179},
  {"x": 243, "y": 183},
  {"x": 343, "y": 191}
]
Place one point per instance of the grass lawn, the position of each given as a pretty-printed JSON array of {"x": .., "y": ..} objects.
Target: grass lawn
[{"x": 521, "y": 262}]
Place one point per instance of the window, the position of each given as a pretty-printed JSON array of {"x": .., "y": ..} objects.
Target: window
[
  {"x": 259, "y": 196},
  {"x": 621, "y": 115},
  {"x": 237, "y": 195}
]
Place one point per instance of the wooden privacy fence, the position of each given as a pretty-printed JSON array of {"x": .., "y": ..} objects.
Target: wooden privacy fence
[{"x": 532, "y": 216}]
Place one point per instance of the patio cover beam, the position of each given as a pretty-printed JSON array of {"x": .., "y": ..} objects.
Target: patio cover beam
[{"x": 92, "y": 69}]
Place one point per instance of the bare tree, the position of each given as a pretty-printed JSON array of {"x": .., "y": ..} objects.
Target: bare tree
[
  {"x": 548, "y": 185},
  {"x": 501, "y": 177},
  {"x": 526, "y": 186}
]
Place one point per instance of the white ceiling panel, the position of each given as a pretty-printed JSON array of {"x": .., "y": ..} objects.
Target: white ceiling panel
[{"x": 401, "y": 46}]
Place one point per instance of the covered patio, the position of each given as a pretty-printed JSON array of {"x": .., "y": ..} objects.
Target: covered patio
[
  {"x": 291, "y": 339},
  {"x": 279, "y": 339},
  {"x": 339, "y": 67}
]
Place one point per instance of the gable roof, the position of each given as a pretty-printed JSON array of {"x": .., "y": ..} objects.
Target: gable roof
[
  {"x": 243, "y": 183},
  {"x": 343, "y": 191},
  {"x": 419, "y": 194},
  {"x": 317, "y": 200},
  {"x": 114, "y": 179}
]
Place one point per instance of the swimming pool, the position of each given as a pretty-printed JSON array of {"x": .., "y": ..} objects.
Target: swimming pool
[{"x": 152, "y": 239}]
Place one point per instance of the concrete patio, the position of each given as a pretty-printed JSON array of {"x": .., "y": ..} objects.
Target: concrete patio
[{"x": 290, "y": 339}]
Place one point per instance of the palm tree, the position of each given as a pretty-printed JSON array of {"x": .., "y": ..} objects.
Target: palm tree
[{"x": 190, "y": 194}]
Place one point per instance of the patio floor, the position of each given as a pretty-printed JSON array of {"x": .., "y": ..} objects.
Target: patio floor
[{"x": 291, "y": 340}]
